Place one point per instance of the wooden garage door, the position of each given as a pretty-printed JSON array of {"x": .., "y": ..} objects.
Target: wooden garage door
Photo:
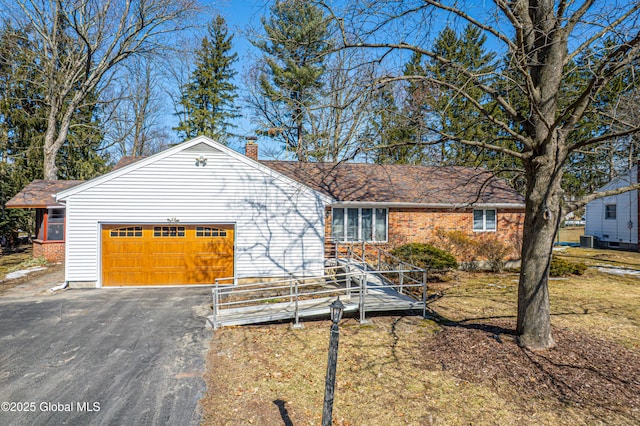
[{"x": 139, "y": 255}]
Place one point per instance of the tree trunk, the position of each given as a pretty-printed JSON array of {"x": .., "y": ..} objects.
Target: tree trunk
[
  {"x": 52, "y": 141},
  {"x": 49, "y": 168},
  {"x": 543, "y": 211}
]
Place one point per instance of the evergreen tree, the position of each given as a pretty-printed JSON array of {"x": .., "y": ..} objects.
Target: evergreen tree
[
  {"x": 393, "y": 133},
  {"x": 453, "y": 105},
  {"x": 23, "y": 124},
  {"x": 208, "y": 98},
  {"x": 296, "y": 38}
]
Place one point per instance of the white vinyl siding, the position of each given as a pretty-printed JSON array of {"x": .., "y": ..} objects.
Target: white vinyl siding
[
  {"x": 359, "y": 224},
  {"x": 278, "y": 223},
  {"x": 614, "y": 219}
]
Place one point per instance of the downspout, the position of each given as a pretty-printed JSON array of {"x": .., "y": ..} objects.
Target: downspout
[{"x": 62, "y": 286}]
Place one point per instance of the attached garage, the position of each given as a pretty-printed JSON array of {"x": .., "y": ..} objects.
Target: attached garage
[
  {"x": 188, "y": 215},
  {"x": 162, "y": 254}
]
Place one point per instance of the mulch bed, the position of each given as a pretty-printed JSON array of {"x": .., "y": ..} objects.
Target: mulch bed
[{"x": 594, "y": 374}]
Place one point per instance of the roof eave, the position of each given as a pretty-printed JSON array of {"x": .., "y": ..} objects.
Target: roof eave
[{"x": 430, "y": 205}]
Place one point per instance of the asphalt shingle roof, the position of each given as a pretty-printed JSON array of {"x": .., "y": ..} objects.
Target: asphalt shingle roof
[
  {"x": 399, "y": 183},
  {"x": 350, "y": 182},
  {"x": 41, "y": 194}
]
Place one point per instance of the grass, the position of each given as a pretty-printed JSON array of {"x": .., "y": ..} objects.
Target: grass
[
  {"x": 462, "y": 366},
  {"x": 570, "y": 234},
  {"x": 14, "y": 261}
]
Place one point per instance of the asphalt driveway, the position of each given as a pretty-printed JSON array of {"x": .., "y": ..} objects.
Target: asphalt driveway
[{"x": 103, "y": 356}]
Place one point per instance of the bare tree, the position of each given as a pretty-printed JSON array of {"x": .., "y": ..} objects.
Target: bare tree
[
  {"x": 82, "y": 42},
  {"x": 536, "y": 107},
  {"x": 340, "y": 115},
  {"x": 134, "y": 123}
]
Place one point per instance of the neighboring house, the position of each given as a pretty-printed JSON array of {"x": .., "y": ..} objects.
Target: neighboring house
[
  {"x": 200, "y": 211},
  {"x": 613, "y": 221}
]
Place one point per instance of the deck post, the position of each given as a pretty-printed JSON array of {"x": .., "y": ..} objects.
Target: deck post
[
  {"x": 215, "y": 305},
  {"x": 401, "y": 276},
  {"x": 424, "y": 294}
]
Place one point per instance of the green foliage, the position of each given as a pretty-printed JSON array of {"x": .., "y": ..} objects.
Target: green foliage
[
  {"x": 454, "y": 107},
  {"x": 393, "y": 132},
  {"x": 23, "y": 122},
  {"x": 294, "y": 45},
  {"x": 426, "y": 256},
  {"x": 563, "y": 268},
  {"x": 208, "y": 99}
]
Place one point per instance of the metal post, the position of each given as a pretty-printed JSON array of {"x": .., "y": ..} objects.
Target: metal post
[
  {"x": 348, "y": 280},
  {"x": 401, "y": 276},
  {"x": 215, "y": 305},
  {"x": 363, "y": 291},
  {"x": 330, "y": 382},
  {"x": 291, "y": 288},
  {"x": 424, "y": 294},
  {"x": 297, "y": 324}
]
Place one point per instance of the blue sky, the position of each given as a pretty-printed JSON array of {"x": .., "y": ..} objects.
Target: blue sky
[{"x": 240, "y": 15}]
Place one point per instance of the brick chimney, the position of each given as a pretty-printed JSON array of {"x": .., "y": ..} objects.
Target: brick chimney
[{"x": 251, "y": 148}]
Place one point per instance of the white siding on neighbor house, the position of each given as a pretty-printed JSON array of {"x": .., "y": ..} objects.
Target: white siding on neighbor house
[
  {"x": 623, "y": 229},
  {"x": 279, "y": 224}
]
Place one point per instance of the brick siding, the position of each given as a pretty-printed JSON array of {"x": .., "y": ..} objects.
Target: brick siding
[
  {"x": 413, "y": 225},
  {"x": 52, "y": 251}
]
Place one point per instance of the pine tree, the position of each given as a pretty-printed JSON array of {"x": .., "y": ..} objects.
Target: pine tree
[
  {"x": 457, "y": 114},
  {"x": 392, "y": 132},
  {"x": 208, "y": 98},
  {"x": 296, "y": 37}
]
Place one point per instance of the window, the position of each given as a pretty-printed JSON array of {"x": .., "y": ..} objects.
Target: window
[
  {"x": 168, "y": 231},
  {"x": 484, "y": 220},
  {"x": 50, "y": 224},
  {"x": 127, "y": 232},
  {"x": 359, "y": 224},
  {"x": 610, "y": 211},
  {"x": 204, "y": 231}
]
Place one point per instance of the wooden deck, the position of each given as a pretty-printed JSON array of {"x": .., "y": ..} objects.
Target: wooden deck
[{"x": 378, "y": 298}]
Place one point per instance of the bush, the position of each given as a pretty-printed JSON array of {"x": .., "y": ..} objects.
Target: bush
[
  {"x": 426, "y": 256},
  {"x": 495, "y": 251},
  {"x": 463, "y": 247},
  {"x": 563, "y": 268}
]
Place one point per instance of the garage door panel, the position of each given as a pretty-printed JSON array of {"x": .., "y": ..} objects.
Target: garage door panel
[
  {"x": 124, "y": 262},
  {"x": 139, "y": 255},
  {"x": 170, "y": 261},
  {"x": 122, "y": 278}
]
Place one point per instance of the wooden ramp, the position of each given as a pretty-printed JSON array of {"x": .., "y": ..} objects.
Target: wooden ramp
[{"x": 378, "y": 297}]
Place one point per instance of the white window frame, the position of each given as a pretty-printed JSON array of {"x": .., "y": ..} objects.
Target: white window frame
[
  {"x": 359, "y": 231},
  {"x": 484, "y": 220},
  {"x": 607, "y": 212}
]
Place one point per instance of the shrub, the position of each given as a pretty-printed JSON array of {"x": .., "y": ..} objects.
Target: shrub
[
  {"x": 426, "y": 256},
  {"x": 461, "y": 245},
  {"x": 495, "y": 251},
  {"x": 563, "y": 268}
]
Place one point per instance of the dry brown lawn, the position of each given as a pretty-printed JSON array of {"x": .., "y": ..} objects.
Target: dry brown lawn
[
  {"x": 460, "y": 366},
  {"x": 570, "y": 234}
]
